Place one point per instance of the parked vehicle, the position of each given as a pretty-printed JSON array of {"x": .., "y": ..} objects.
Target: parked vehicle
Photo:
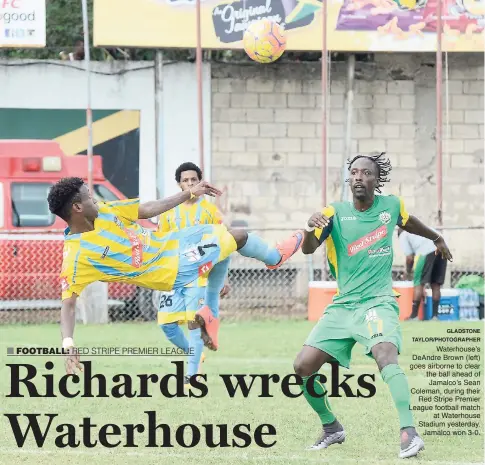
[{"x": 31, "y": 238}]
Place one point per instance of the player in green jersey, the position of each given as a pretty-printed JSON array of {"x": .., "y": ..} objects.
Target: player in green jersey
[{"x": 359, "y": 250}]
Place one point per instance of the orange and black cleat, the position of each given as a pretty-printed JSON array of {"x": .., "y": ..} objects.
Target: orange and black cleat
[
  {"x": 288, "y": 248},
  {"x": 209, "y": 327}
]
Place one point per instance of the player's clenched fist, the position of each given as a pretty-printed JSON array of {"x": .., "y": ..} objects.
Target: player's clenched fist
[{"x": 317, "y": 220}]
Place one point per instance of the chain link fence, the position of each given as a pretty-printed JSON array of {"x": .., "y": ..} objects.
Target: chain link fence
[{"x": 30, "y": 290}]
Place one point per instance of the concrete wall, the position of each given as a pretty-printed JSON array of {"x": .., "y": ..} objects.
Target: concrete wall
[
  {"x": 180, "y": 121},
  {"x": 266, "y": 139},
  {"x": 123, "y": 86},
  {"x": 262, "y": 130}
]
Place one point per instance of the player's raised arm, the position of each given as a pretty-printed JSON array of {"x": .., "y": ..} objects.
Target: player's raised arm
[
  {"x": 414, "y": 226},
  {"x": 68, "y": 321},
  {"x": 157, "y": 207}
]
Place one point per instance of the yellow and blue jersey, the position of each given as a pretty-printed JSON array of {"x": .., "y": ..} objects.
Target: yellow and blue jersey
[
  {"x": 118, "y": 249},
  {"x": 186, "y": 215}
]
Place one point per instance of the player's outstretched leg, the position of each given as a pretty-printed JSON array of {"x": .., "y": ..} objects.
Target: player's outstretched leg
[
  {"x": 273, "y": 257},
  {"x": 306, "y": 365},
  {"x": 248, "y": 245},
  {"x": 385, "y": 355}
]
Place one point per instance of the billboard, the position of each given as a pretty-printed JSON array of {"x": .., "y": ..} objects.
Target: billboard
[
  {"x": 352, "y": 25},
  {"x": 22, "y": 23},
  {"x": 116, "y": 137}
]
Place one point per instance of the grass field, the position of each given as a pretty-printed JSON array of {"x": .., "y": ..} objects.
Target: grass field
[{"x": 258, "y": 347}]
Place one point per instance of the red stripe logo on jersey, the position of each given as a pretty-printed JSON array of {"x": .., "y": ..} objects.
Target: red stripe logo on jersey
[
  {"x": 204, "y": 269},
  {"x": 136, "y": 248},
  {"x": 367, "y": 240}
]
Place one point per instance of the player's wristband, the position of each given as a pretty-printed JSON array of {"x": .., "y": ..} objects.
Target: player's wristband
[
  {"x": 192, "y": 196},
  {"x": 309, "y": 228},
  {"x": 437, "y": 239},
  {"x": 67, "y": 343}
]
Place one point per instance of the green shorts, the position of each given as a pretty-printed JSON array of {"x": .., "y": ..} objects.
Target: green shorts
[{"x": 369, "y": 323}]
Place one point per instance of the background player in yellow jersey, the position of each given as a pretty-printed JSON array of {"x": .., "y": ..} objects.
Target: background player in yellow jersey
[
  {"x": 179, "y": 306},
  {"x": 104, "y": 242}
]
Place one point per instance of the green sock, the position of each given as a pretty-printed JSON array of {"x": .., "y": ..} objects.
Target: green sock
[
  {"x": 319, "y": 404},
  {"x": 397, "y": 381}
]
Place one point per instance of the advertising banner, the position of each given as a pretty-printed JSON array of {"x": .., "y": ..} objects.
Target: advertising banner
[
  {"x": 22, "y": 23},
  {"x": 352, "y": 25}
]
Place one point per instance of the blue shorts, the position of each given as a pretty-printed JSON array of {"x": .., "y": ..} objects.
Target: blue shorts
[
  {"x": 202, "y": 247},
  {"x": 180, "y": 305}
]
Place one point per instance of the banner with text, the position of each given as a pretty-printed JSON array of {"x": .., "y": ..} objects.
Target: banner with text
[
  {"x": 22, "y": 23},
  {"x": 352, "y": 25}
]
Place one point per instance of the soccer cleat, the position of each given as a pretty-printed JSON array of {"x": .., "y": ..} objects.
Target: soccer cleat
[
  {"x": 209, "y": 327},
  {"x": 187, "y": 384},
  {"x": 326, "y": 439},
  {"x": 411, "y": 443},
  {"x": 288, "y": 248}
]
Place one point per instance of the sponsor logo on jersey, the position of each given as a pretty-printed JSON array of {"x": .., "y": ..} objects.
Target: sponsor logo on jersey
[
  {"x": 380, "y": 252},
  {"x": 136, "y": 248},
  {"x": 348, "y": 218},
  {"x": 367, "y": 241},
  {"x": 138, "y": 243},
  {"x": 385, "y": 217},
  {"x": 204, "y": 269}
]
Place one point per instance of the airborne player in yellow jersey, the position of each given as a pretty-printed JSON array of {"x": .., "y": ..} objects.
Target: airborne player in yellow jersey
[
  {"x": 104, "y": 242},
  {"x": 179, "y": 306}
]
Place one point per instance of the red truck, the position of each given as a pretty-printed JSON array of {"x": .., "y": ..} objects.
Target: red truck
[{"x": 31, "y": 238}]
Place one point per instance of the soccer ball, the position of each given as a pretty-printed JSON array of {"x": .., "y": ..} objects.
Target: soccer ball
[{"x": 264, "y": 41}]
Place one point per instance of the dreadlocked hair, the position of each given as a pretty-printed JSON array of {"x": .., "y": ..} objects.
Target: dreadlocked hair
[{"x": 383, "y": 164}]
